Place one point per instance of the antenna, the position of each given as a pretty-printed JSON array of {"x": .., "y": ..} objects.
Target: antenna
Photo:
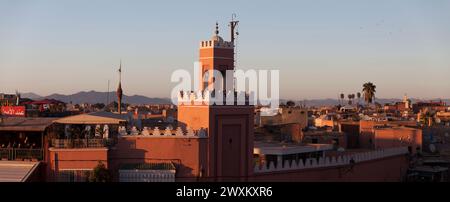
[
  {"x": 233, "y": 25},
  {"x": 107, "y": 95}
]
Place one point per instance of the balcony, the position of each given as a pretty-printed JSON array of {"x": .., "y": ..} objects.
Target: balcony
[
  {"x": 82, "y": 143},
  {"x": 21, "y": 154}
]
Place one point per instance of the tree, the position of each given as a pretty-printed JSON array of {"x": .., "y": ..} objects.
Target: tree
[
  {"x": 98, "y": 106},
  {"x": 290, "y": 103},
  {"x": 113, "y": 106},
  {"x": 351, "y": 97},
  {"x": 359, "y": 96},
  {"x": 369, "y": 92},
  {"x": 100, "y": 174},
  {"x": 427, "y": 117}
]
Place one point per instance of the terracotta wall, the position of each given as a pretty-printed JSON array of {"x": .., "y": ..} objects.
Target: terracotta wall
[
  {"x": 74, "y": 159},
  {"x": 398, "y": 137},
  {"x": 77, "y": 158},
  {"x": 230, "y": 130},
  {"x": 351, "y": 131},
  {"x": 387, "y": 169},
  {"x": 188, "y": 154}
]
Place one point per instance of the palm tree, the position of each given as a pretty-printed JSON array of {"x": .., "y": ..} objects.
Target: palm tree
[
  {"x": 353, "y": 97},
  {"x": 359, "y": 96},
  {"x": 342, "y": 97},
  {"x": 369, "y": 92}
]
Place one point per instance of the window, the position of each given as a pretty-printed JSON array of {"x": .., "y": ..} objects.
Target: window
[
  {"x": 314, "y": 140},
  {"x": 205, "y": 79}
]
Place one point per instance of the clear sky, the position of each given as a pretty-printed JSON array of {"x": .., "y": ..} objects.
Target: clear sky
[{"x": 321, "y": 47}]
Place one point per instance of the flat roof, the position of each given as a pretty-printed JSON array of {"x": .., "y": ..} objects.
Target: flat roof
[
  {"x": 288, "y": 148},
  {"x": 395, "y": 128},
  {"x": 101, "y": 117},
  {"x": 25, "y": 124},
  {"x": 16, "y": 171}
]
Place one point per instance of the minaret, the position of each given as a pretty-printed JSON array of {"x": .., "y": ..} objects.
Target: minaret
[
  {"x": 215, "y": 54},
  {"x": 229, "y": 128},
  {"x": 119, "y": 90}
]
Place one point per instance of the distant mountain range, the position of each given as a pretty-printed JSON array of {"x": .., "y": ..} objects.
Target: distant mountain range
[
  {"x": 382, "y": 101},
  {"x": 93, "y": 97}
]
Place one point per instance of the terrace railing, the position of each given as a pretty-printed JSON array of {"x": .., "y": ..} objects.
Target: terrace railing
[
  {"x": 21, "y": 154},
  {"x": 81, "y": 143}
]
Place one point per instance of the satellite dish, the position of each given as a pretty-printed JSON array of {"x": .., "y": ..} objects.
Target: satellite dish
[
  {"x": 340, "y": 149},
  {"x": 432, "y": 148}
]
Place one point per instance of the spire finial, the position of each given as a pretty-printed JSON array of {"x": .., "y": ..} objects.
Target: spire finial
[
  {"x": 120, "y": 66},
  {"x": 119, "y": 91},
  {"x": 120, "y": 71},
  {"x": 217, "y": 28}
]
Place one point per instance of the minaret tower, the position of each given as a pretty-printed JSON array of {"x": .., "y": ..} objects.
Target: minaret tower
[
  {"x": 119, "y": 90},
  {"x": 227, "y": 153},
  {"x": 215, "y": 54}
]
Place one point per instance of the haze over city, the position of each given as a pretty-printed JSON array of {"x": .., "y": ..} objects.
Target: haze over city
[
  {"x": 255, "y": 93},
  {"x": 322, "y": 48}
]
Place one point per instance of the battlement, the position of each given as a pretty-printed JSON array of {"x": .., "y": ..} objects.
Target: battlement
[
  {"x": 331, "y": 162},
  {"x": 216, "y": 44},
  {"x": 166, "y": 133},
  {"x": 213, "y": 98}
]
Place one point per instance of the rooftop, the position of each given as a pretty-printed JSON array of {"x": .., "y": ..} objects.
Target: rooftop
[
  {"x": 288, "y": 148},
  {"x": 100, "y": 117},
  {"x": 16, "y": 171},
  {"x": 394, "y": 128}
]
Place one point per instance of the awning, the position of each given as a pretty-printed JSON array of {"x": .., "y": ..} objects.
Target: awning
[
  {"x": 94, "y": 118},
  {"x": 25, "y": 124}
]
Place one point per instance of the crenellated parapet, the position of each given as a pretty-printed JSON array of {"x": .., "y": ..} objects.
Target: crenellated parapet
[
  {"x": 331, "y": 161},
  {"x": 156, "y": 132},
  {"x": 215, "y": 43},
  {"x": 215, "y": 98}
]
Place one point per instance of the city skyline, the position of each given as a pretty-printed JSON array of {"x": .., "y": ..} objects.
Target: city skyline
[{"x": 322, "y": 49}]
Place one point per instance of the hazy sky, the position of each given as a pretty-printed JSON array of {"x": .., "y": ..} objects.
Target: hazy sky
[{"x": 321, "y": 48}]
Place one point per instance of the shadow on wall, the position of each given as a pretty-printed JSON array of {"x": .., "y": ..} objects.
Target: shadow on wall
[{"x": 139, "y": 150}]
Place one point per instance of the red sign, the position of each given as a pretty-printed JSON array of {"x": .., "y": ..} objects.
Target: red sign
[{"x": 13, "y": 110}]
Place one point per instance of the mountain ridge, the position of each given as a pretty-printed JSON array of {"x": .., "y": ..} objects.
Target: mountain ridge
[{"x": 93, "y": 97}]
